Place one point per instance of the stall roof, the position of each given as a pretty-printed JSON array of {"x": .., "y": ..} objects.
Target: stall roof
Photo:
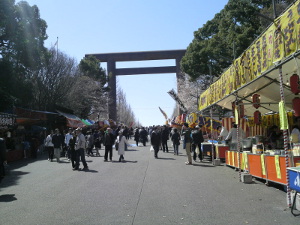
[
  {"x": 268, "y": 87},
  {"x": 72, "y": 120},
  {"x": 278, "y": 46},
  {"x": 68, "y": 115}
]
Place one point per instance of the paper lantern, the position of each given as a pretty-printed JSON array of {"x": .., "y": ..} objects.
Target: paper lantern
[
  {"x": 296, "y": 106},
  {"x": 294, "y": 82},
  {"x": 256, "y": 100},
  {"x": 257, "y": 117}
]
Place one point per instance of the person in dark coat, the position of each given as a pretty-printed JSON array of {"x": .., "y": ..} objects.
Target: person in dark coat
[
  {"x": 2, "y": 158},
  {"x": 57, "y": 141},
  {"x": 97, "y": 138},
  {"x": 197, "y": 139},
  {"x": 73, "y": 152},
  {"x": 137, "y": 136},
  {"x": 165, "y": 138},
  {"x": 109, "y": 140},
  {"x": 176, "y": 141},
  {"x": 143, "y": 136},
  {"x": 155, "y": 141}
]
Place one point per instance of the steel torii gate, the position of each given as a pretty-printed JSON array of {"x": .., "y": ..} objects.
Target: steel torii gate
[{"x": 112, "y": 58}]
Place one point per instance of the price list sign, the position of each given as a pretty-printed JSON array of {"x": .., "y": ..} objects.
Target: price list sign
[{"x": 6, "y": 121}]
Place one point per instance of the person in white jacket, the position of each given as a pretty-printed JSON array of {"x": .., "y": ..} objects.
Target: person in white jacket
[
  {"x": 80, "y": 148},
  {"x": 120, "y": 142},
  {"x": 233, "y": 134},
  {"x": 49, "y": 146}
]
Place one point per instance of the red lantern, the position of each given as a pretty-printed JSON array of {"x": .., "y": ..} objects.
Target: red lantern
[
  {"x": 256, "y": 100},
  {"x": 296, "y": 106},
  {"x": 295, "y": 85},
  {"x": 257, "y": 117}
]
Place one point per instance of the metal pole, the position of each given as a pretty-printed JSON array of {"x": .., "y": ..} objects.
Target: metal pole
[
  {"x": 274, "y": 10},
  {"x": 238, "y": 141},
  {"x": 211, "y": 131},
  {"x": 285, "y": 139}
]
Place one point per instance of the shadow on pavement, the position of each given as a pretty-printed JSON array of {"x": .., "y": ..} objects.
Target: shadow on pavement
[
  {"x": 203, "y": 165},
  {"x": 12, "y": 178},
  {"x": 88, "y": 171},
  {"x": 8, "y": 198},
  {"x": 126, "y": 161},
  {"x": 166, "y": 158}
]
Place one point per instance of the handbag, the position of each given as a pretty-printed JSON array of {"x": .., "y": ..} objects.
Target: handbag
[{"x": 117, "y": 146}]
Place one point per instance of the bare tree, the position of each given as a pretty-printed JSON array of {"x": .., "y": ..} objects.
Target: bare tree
[
  {"x": 53, "y": 80},
  {"x": 125, "y": 114}
]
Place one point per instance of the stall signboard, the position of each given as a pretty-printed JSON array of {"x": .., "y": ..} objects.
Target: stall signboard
[
  {"x": 294, "y": 175},
  {"x": 7, "y": 121},
  {"x": 280, "y": 40}
]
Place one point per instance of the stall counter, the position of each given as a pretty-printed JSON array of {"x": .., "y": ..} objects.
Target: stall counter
[
  {"x": 221, "y": 150},
  {"x": 275, "y": 166}
]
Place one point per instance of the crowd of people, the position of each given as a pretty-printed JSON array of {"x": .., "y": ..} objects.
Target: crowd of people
[{"x": 75, "y": 146}]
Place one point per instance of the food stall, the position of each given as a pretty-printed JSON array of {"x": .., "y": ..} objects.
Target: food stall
[{"x": 264, "y": 81}]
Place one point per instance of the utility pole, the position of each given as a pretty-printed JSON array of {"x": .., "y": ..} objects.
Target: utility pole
[{"x": 274, "y": 9}]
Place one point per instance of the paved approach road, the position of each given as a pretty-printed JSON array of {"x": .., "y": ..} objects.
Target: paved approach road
[{"x": 142, "y": 190}]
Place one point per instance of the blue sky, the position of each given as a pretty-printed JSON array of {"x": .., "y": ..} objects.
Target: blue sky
[{"x": 107, "y": 26}]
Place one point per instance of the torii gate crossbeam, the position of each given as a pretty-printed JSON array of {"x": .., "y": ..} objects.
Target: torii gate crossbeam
[{"x": 112, "y": 58}]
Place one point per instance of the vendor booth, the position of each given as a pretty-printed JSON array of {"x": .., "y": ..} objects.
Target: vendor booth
[{"x": 261, "y": 87}]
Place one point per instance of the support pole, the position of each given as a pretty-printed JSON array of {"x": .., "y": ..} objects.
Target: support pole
[
  {"x": 285, "y": 139},
  {"x": 238, "y": 139},
  {"x": 211, "y": 131}
]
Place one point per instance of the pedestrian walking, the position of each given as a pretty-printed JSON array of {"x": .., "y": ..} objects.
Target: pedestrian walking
[
  {"x": 2, "y": 158},
  {"x": 49, "y": 146},
  {"x": 137, "y": 136},
  {"x": 79, "y": 147},
  {"x": 186, "y": 134},
  {"x": 90, "y": 143},
  {"x": 143, "y": 136},
  {"x": 73, "y": 152},
  {"x": 108, "y": 142},
  {"x": 197, "y": 139},
  {"x": 155, "y": 141},
  {"x": 57, "y": 144},
  {"x": 68, "y": 136},
  {"x": 121, "y": 143},
  {"x": 97, "y": 141},
  {"x": 176, "y": 141},
  {"x": 165, "y": 138}
]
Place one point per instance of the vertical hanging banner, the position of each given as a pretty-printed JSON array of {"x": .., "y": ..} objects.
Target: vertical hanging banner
[
  {"x": 245, "y": 157},
  {"x": 243, "y": 162},
  {"x": 277, "y": 166},
  {"x": 288, "y": 27},
  {"x": 263, "y": 167},
  {"x": 236, "y": 115},
  {"x": 284, "y": 124}
]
